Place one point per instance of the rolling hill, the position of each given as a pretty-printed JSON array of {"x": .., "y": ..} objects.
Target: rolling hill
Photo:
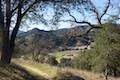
[{"x": 40, "y": 41}]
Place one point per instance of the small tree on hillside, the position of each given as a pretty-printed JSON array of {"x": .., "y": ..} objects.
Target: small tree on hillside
[{"x": 106, "y": 56}]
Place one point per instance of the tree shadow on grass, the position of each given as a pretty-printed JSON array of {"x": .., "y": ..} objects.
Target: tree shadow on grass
[{"x": 15, "y": 72}]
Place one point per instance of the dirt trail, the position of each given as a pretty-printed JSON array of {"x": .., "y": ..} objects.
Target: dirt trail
[
  {"x": 43, "y": 70},
  {"x": 33, "y": 70}
]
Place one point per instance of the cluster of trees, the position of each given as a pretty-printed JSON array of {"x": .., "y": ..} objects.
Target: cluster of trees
[
  {"x": 105, "y": 56},
  {"x": 52, "y": 60}
]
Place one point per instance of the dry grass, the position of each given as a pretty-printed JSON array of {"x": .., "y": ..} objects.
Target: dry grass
[
  {"x": 15, "y": 72},
  {"x": 51, "y": 71},
  {"x": 37, "y": 69},
  {"x": 88, "y": 75}
]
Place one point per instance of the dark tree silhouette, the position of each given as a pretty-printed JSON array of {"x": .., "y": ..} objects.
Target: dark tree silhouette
[{"x": 8, "y": 10}]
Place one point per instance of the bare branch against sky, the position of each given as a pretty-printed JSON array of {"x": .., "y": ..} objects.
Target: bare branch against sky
[{"x": 102, "y": 12}]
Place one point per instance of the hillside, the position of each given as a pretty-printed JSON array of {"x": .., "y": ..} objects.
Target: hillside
[
  {"x": 15, "y": 72},
  {"x": 34, "y": 41}
]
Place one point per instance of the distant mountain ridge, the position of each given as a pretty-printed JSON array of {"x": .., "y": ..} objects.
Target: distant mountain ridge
[{"x": 40, "y": 41}]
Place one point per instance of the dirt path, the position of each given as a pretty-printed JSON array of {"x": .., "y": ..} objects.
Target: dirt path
[
  {"x": 49, "y": 72},
  {"x": 32, "y": 69}
]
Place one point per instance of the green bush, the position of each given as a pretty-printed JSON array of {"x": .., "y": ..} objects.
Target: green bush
[
  {"x": 51, "y": 60},
  {"x": 39, "y": 58},
  {"x": 65, "y": 62}
]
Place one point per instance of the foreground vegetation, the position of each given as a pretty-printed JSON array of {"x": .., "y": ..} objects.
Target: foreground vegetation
[
  {"x": 55, "y": 73},
  {"x": 105, "y": 56},
  {"x": 15, "y": 72}
]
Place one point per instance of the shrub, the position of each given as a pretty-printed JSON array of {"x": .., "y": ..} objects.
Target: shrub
[
  {"x": 39, "y": 58},
  {"x": 51, "y": 60},
  {"x": 67, "y": 76},
  {"x": 83, "y": 61},
  {"x": 65, "y": 62}
]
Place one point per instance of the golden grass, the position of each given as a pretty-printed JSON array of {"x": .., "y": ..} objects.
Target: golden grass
[
  {"x": 15, "y": 72},
  {"x": 40, "y": 69},
  {"x": 87, "y": 75},
  {"x": 50, "y": 71}
]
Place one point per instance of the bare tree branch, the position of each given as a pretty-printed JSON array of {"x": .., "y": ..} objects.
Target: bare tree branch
[
  {"x": 106, "y": 9},
  {"x": 70, "y": 14},
  {"x": 86, "y": 32},
  {"x": 96, "y": 12},
  {"x": 13, "y": 11},
  {"x": 75, "y": 20},
  {"x": 30, "y": 6},
  {"x": 82, "y": 22}
]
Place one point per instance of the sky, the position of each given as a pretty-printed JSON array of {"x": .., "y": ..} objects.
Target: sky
[{"x": 88, "y": 17}]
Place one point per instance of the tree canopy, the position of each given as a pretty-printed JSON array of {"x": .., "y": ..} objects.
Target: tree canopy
[{"x": 105, "y": 55}]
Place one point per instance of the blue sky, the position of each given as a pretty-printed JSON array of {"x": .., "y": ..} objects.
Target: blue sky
[{"x": 98, "y": 3}]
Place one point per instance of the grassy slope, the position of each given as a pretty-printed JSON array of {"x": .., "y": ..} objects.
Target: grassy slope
[
  {"x": 50, "y": 71},
  {"x": 37, "y": 69},
  {"x": 14, "y": 72}
]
